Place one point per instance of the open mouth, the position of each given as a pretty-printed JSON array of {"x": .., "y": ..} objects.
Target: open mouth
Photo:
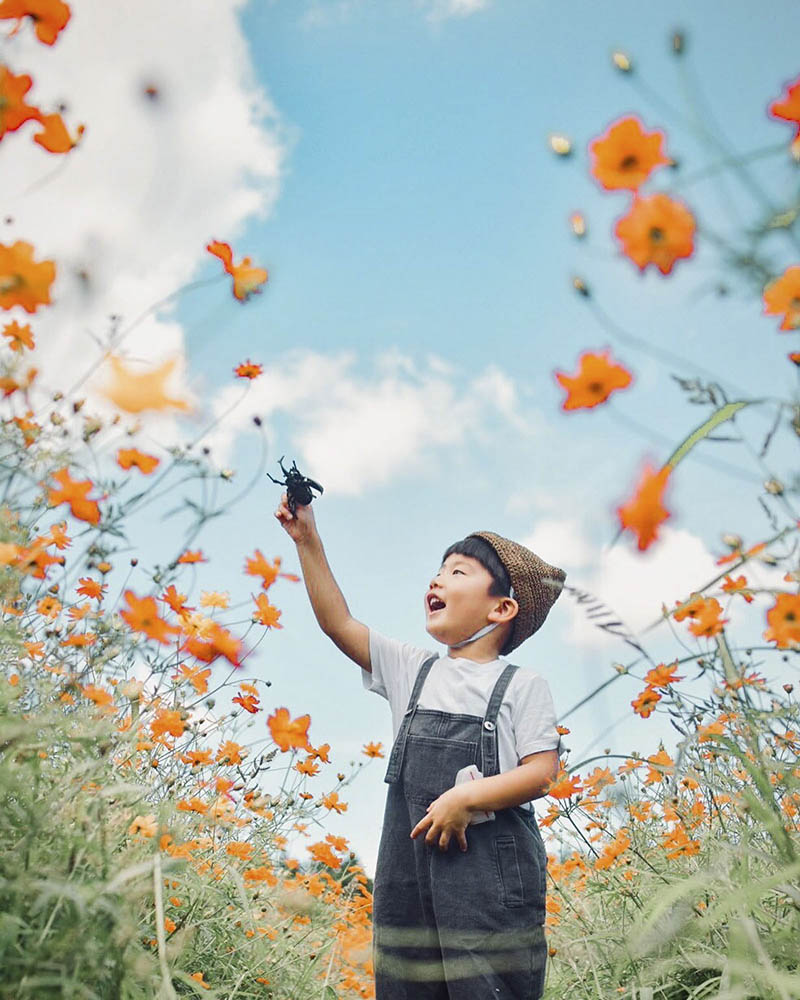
[{"x": 434, "y": 603}]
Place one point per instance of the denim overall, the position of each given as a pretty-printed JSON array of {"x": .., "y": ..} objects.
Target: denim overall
[{"x": 453, "y": 924}]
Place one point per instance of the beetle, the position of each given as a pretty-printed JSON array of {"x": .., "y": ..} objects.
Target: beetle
[{"x": 299, "y": 488}]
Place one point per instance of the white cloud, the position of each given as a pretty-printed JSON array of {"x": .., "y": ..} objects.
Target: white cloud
[
  {"x": 153, "y": 180},
  {"x": 440, "y": 10},
  {"x": 560, "y": 541},
  {"x": 351, "y": 430},
  {"x": 634, "y": 585}
]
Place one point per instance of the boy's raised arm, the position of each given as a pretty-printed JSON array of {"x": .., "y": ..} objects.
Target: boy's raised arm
[{"x": 327, "y": 600}]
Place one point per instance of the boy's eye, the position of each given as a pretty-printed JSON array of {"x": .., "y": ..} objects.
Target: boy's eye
[{"x": 461, "y": 571}]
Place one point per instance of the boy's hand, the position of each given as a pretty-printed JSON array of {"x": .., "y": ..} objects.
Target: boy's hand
[
  {"x": 301, "y": 526},
  {"x": 447, "y": 816}
]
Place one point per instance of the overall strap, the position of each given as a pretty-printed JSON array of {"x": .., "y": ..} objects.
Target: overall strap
[
  {"x": 399, "y": 748},
  {"x": 489, "y": 752}
]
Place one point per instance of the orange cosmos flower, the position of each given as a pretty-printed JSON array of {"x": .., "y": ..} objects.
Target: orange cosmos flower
[
  {"x": 23, "y": 281},
  {"x": 249, "y": 702},
  {"x": 738, "y": 586},
  {"x": 144, "y": 826},
  {"x": 216, "y": 641},
  {"x": 612, "y": 851},
  {"x": 625, "y": 155},
  {"x": 246, "y": 279},
  {"x": 176, "y": 600},
  {"x": 266, "y": 614},
  {"x": 258, "y": 565},
  {"x": 13, "y": 109},
  {"x": 657, "y": 230},
  {"x": 19, "y": 336},
  {"x": 54, "y": 136},
  {"x": 142, "y": 616},
  {"x": 49, "y": 17},
  {"x": 49, "y": 607},
  {"x": 144, "y": 391},
  {"x": 127, "y": 457},
  {"x": 738, "y": 554},
  {"x": 597, "y": 377},
  {"x": 58, "y": 535},
  {"x": 192, "y": 556},
  {"x": 91, "y": 588},
  {"x": 645, "y": 702},
  {"x": 564, "y": 785},
  {"x": 248, "y": 369},
  {"x": 661, "y": 676},
  {"x": 289, "y": 733},
  {"x": 707, "y": 621},
  {"x": 660, "y": 765},
  {"x": 784, "y": 621},
  {"x": 86, "y": 639},
  {"x": 332, "y": 801},
  {"x": 74, "y": 493},
  {"x": 97, "y": 694},
  {"x": 645, "y": 511},
  {"x": 215, "y": 599},
  {"x": 782, "y": 298},
  {"x": 167, "y": 721},
  {"x": 35, "y": 560},
  {"x": 230, "y": 752},
  {"x": 197, "y": 678}
]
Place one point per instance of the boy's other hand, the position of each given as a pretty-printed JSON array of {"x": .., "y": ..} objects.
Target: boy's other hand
[{"x": 300, "y": 526}]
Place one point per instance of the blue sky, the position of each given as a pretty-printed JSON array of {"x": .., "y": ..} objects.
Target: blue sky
[
  {"x": 389, "y": 164},
  {"x": 422, "y": 214}
]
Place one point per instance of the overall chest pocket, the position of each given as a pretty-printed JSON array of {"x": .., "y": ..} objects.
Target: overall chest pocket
[{"x": 431, "y": 765}]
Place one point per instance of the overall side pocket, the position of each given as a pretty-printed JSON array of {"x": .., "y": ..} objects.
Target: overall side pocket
[{"x": 511, "y": 889}]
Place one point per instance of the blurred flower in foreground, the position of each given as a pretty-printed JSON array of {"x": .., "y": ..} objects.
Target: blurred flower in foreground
[
  {"x": 782, "y": 298},
  {"x": 597, "y": 377},
  {"x": 54, "y": 136},
  {"x": 784, "y": 621},
  {"x": 13, "y": 109},
  {"x": 49, "y": 16},
  {"x": 128, "y": 457},
  {"x": 23, "y": 281},
  {"x": 644, "y": 512},
  {"x": 625, "y": 155},
  {"x": 657, "y": 230},
  {"x": 136, "y": 392},
  {"x": 74, "y": 492},
  {"x": 788, "y": 108},
  {"x": 19, "y": 337},
  {"x": 246, "y": 279}
]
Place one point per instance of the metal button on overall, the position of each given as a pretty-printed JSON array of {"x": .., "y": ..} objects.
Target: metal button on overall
[{"x": 453, "y": 924}]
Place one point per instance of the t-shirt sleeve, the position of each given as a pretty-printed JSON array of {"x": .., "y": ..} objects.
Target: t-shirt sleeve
[
  {"x": 395, "y": 666},
  {"x": 533, "y": 715}
]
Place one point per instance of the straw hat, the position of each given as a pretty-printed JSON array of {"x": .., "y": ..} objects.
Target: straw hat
[{"x": 536, "y": 585}]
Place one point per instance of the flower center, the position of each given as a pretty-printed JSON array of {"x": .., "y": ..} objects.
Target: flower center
[
  {"x": 629, "y": 162},
  {"x": 656, "y": 234}
]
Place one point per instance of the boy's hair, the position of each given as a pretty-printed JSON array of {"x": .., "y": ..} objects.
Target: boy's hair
[{"x": 481, "y": 550}]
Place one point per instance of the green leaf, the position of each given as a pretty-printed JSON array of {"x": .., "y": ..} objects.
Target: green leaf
[{"x": 717, "y": 417}]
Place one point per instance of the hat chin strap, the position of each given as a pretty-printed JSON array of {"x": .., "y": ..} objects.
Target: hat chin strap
[{"x": 481, "y": 631}]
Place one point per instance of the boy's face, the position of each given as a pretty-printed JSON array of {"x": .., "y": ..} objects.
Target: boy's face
[{"x": 458, "y": 602}]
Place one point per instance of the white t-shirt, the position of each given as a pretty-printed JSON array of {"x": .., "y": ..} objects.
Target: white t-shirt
[{"x": 526, "y": 721}]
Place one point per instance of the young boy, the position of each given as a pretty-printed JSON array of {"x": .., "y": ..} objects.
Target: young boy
[{"x": 456, "y": 917}]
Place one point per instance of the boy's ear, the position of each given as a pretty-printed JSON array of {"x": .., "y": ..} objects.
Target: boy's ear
[{"x": 506, "y": 609}]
